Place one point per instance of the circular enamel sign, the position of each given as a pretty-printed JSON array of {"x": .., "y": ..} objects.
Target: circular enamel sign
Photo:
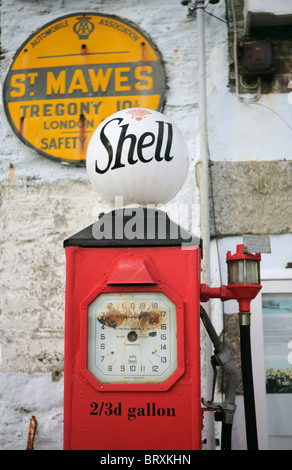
[
  {"x": 138, "y": 154},
  {"x": 73, "y": 73}
]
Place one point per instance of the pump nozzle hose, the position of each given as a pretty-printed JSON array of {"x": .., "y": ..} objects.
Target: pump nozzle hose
[
  {"x": 225, "y": 360},
  {"x": 248, "y": 389}
]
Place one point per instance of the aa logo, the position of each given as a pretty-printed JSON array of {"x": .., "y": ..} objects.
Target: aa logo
[{"x": 84, "y": 27}]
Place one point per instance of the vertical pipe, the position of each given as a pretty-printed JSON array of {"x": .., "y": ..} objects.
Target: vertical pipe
[{"x": 204, "y": 194}]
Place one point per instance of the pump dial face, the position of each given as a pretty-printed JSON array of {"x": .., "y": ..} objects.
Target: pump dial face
[{"x": 132, "y": 337}]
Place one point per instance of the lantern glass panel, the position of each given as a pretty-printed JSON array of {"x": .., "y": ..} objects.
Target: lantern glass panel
[
  {"x": 236, "y": 272},
  {"x": 252, "y": 272}
]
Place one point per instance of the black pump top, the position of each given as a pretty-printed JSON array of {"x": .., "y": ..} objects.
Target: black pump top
[{"x": 132, "y": 227}]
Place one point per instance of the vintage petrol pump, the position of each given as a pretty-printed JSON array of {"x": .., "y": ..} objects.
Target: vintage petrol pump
[
  {"x": 132, "y": 360},
  {"x": 133, "y": 293}
]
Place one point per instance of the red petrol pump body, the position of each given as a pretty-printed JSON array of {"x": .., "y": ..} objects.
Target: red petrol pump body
[{"x": 132, "y": 337}]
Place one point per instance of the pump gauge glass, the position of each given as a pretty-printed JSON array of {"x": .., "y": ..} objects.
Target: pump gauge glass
[{"x": 132, "y": 337}]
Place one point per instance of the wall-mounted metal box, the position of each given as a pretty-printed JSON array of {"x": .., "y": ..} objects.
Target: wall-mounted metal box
[{"x": 257, "y": 58}]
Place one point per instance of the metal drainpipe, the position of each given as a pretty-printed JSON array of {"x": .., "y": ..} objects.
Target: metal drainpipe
[{"x": 204, "y": 194}]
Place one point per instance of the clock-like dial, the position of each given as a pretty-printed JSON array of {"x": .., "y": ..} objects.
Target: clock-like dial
[{"x": 132, "y": 337}]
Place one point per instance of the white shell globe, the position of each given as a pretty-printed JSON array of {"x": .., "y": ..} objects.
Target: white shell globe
[{"x": 138, "y": 154}]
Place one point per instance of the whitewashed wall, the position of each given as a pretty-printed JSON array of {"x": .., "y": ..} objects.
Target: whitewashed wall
[{"x": 43, "y": 202}]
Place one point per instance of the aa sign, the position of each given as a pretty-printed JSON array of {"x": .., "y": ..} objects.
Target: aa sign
[{"x": 73, "y": 73}]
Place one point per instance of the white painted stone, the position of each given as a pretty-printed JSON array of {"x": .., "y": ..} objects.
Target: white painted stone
[
  {"x": 268, "y": 13},
  {"x": 25, "y": 395}
]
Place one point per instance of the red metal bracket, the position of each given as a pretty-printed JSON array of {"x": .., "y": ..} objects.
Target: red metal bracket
[{"x": 243, "y": 293}]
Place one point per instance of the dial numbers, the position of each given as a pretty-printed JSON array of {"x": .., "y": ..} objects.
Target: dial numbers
[{"x": 132, "y": 337}]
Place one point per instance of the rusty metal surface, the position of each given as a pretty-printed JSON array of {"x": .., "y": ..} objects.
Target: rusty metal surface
[
  {"x": 141, "y": 319},
  {"x": 31, "y": 433}
]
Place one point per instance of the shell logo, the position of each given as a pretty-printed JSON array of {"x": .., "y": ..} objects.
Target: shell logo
[
  {"x": 138, "y": 114},
  {"x": 139, "y": 155}
]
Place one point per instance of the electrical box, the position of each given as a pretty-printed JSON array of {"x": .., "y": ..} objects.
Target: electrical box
[
  {"x": 257, "y": 58},
  {"x": 132, "y": 337}
]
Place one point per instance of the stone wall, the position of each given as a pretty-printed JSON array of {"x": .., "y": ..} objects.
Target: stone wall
[{"x": 251, "y": 198}]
